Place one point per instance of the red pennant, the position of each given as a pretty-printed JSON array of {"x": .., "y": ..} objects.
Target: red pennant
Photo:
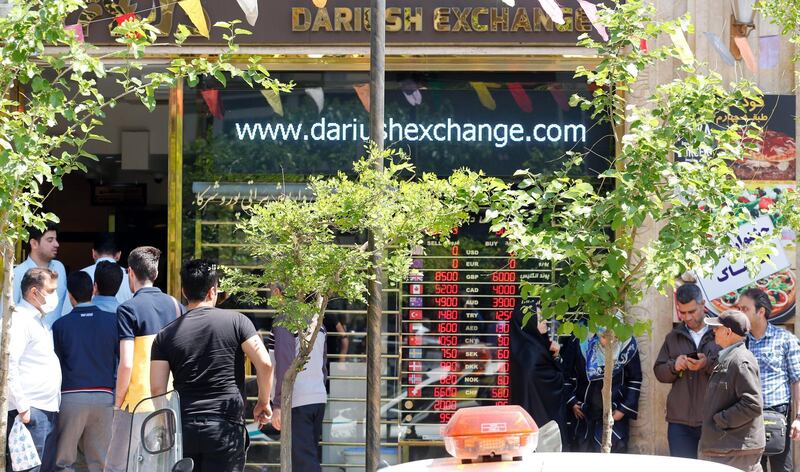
[
  {"x": 522, "y": 98},
  {"x": 643, "y": 45},
  {"x": 214, "y": 103},
  {"x": 123, "y": 18},
  {"x": 559, "y": 96}
]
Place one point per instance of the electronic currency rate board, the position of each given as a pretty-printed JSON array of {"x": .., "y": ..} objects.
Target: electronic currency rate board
[{"x": 456, "y": 307}]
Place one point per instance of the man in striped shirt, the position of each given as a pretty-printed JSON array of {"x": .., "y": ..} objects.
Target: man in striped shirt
[{"x": 86, "y": 343}]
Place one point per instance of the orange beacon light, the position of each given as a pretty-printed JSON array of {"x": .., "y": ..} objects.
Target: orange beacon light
[{"x": 490, "y": 433}]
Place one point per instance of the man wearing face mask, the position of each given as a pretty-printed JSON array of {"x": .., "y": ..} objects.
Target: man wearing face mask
[
  {"x": 34, "y": 372},
  {"x": 42, "y": 252}
]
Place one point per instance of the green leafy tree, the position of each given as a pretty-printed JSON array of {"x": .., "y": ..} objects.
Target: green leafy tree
[
  {"x": 589, "y": 229},
  {"x": 295, "y": 242},
  {"x": 51, "y": 107}
]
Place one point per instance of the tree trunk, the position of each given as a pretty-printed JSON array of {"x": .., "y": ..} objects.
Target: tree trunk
[
  {"x": 6, "y": 277},
  {"x": 288, "y": 384},
  {"x": 608, "y": 376}
]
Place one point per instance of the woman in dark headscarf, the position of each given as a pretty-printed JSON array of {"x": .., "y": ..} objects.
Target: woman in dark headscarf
[{"x": 536, "y": 377}]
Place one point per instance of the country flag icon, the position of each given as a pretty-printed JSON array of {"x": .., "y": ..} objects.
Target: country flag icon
[
  {"x": 415, "y": 289},
  {"x": 414, "y": 314}
]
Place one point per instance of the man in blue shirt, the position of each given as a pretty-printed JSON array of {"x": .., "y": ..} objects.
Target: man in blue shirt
[
  {"x": 86, "y": 342},
  {"x": 107, "y": 279},
  {"x": 778, "y": 354},
  {"x": 42, "y": 252}
]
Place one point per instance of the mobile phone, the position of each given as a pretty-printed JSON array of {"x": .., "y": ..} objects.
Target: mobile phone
[{"x": 693, "y": 355}]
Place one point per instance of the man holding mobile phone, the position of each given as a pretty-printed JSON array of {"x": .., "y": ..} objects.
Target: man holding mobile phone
[{"x": 686, "y": 361}]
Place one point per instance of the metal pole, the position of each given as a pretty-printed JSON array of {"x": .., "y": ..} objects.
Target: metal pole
[{"x": 377, "y": 61}]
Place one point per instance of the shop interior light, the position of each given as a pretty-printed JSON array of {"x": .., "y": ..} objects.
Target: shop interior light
[
  {"x": 490, "y": 433},
  {"x": 741, "y": 24}
]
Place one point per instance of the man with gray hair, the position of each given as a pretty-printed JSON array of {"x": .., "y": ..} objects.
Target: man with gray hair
[
  {"x": 733, "y": 423},
  {"x": 686, "y": 360}
]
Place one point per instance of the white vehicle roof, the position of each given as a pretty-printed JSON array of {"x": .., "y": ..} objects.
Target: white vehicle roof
[{"x": 568, "y": 461}]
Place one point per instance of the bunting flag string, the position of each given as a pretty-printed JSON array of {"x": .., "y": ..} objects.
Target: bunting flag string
[
  {"x": 559, "y": 96},
  {"x": 768, "y": 51},
  {"x": 194, "y": 10},
  {"x": 747, "y": 53},
  {"x": 411, "y": 92},
  {"x": 274, "y": 101},
  {"x": 319, "y": 3},
  {"x": 723, "y": 51},
  {"x": 250, "y": 9},
  {"x": 684, "y": 51},
  {"x": 318, "y": 96},
  {"x": 123, "y": 18},
  {"x": 553, "y": 10},
  {"x": 484, "y": 95},
  {"x": 77, "y": 29},
  {"x": 362, "y": 90},
  {"x": 510, "y": 3},
  {"x": 591, "y": 12},
  {"x": 214, "y": 102},
  {"x": 643, "y": 45},
  {"x": 519, "y": 95}
]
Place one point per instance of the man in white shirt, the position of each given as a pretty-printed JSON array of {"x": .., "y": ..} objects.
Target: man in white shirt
[
  {"x": 34, "y": 372},
  {"x": 42, "y": 252},
  {"x": 105, "y": 248}
]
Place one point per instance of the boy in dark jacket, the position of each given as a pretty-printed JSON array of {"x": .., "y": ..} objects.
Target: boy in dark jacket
[
  {"x": 686, "y": 361},
  {"x": 733, "y": 425}
]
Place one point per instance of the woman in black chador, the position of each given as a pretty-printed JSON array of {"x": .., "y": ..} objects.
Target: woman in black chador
[{"x": 536, "y": 376}]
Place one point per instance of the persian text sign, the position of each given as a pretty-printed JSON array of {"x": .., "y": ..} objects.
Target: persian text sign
[
  {"x": 729, "y": 277},
  {"x": 347, "y": 22}
]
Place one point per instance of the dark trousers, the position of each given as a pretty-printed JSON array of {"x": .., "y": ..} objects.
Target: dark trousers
[
  {"x": 683, "y": 440},
  {"x": 781, "y": 462},
  {"x": 306, "y": 435},
  {"x": 43, "y": 427},
  {"x": 215, "y": 444}
]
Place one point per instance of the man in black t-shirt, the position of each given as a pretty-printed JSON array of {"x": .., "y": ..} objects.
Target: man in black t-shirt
[{"x": 204, "y": 350}]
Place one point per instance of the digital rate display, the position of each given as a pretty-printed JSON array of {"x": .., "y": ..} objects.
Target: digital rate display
[{"x": 456, "y": 308}]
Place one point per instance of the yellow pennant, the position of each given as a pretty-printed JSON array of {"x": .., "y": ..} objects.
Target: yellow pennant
[
  {"x": 684, "y": 51},
  {"x": 484, "y": 95},
  {"x": 320, "y": 3},
  {"x": 194, "y": 10},
  {"x": 274, "y": 100}
]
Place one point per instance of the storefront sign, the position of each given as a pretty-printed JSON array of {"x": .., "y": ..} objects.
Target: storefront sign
[
  {"x": 728, "y": 277},
  {"x": 345, "y": 22}
]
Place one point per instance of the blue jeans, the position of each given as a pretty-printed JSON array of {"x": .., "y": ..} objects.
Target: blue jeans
[
  {"x": 43, "y": 427},
  {"x": 683, "y": 440}
]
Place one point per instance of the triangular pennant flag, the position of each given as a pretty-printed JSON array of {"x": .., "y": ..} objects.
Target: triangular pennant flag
[
  {"x": 250, "y": 9},
  {"x": 684, "y": 51},
  {"x": 411, "y": 92},
  {"x": 723, "y": 50},
  {"x": 522, "y": 98},
  {"x": 559, "y": 96},
  {"x": 643, "y": 45},
  {"x": 319, "y": 3},
  {"x": 591, "y": 12},
  {"x": 318, "y": 96},
  {"x": 553, "y": 10},
  {"x": 124, "y": 17},
  {"x": 78, "y": 30},
  {"x": 747, "y": 53},
  {"x": 768, "y": 51},
  {"x": 213, "y": 102},
  {"x": 274, "y": 100},
  {"x": 362, "y": 90},
  {"x": 484, "y": 95},
  {"x": 194, "y": 10},
  {"x": 510, "y": 3}
]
